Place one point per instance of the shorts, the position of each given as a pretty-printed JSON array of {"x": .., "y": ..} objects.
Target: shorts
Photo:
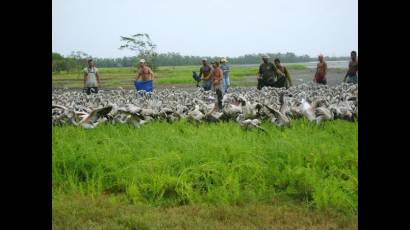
[
  {"x": 352, "y": 79},
  {"x": 89, "y": 90},
  {"x": 206, "y": 84},
  {"x": 281, "y": 82},
  {"x": 322, "y": 81}
]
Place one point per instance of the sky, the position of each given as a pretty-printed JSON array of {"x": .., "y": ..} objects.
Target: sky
[{"x": 207, "y": 28}]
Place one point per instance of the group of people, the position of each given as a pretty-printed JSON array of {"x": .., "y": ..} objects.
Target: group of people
[
  {"x": 216, "y": 77},
  {"x": 350, "y": 77}
]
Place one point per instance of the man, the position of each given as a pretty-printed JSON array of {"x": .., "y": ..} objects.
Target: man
[
  {"x": 321, "y": 70},
  {"x": 205, "y": 74},
  {"x": 283, "y": 81},
  {"x": 353, "y": 70},
  {"x": 267, "y": 72},
  {"x": 144, "y": 75},
  {"x": 216, "y": 77},
  {"x": 225, "y": 69},
  {"x": 91, "y": 78}
]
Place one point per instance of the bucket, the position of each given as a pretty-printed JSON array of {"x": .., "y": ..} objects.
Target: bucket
[{"x": 143, "y": 85}]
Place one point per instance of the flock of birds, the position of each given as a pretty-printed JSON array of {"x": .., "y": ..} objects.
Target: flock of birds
[{"x": 247, "y": 106}]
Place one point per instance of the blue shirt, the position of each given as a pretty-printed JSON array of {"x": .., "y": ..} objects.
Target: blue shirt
[{"x": 225, "y": 69}]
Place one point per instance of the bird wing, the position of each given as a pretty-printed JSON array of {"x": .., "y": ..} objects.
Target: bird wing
[
  {"x": 58, "y": 107},
  {"x": 96, "y": 114}
]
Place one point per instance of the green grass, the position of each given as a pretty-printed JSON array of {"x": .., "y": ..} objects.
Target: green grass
[
  {"x": 165, "y": 75},
  {"x": 172, "y": 165}
]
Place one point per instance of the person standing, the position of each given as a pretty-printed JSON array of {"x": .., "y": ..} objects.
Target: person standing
[
  {"x": 267, "y": 72},
  {"x": 353, "y": 70},
  {"x": 283, "y": 81},
  {"x": 144, "y": 78},
  {"x": 225, "y": 69},
  {"x": 321, "y": 70},
  {"x": 91, "y": 78},
  {"x": 205, "y": 74},
  {"x": 217, "y": 82}
]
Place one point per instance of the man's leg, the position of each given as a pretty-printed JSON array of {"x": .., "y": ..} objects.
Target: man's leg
[
  {"x": 88, "y": 91},
  {"x": 280, "y": 82},
  {"x": 219, "y": 97}
]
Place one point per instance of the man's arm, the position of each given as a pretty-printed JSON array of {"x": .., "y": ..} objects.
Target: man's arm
[
  {"x": 324, "y": 69},
  {"x": 85, "y": 78},
  {"x": 200, "y": 73},
  {"x": 137, "y": 77},
  {"x": 259, "y": 72},
  {"x": 98, "y": 77},
  {"x": 277, "y": 71},
  {"x": 288, "y": 76}
]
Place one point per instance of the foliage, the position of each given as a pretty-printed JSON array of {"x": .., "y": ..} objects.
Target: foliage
[
  {"x": 176, "y": 59},
  {"x": 167, "y": 165},
  {"x": 142, "y": 45}
]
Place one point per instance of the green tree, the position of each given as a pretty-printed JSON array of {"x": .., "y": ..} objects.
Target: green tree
[{"x": 143, "y": 46}]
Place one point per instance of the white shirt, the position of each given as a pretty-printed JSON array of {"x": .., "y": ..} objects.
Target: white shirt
[{"x": 91, "y": 77}]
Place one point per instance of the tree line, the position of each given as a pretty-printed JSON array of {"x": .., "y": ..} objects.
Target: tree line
[{"x": 77, "y": 60}]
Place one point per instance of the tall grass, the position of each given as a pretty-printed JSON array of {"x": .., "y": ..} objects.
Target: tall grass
[{"x": 174, "y": 164}]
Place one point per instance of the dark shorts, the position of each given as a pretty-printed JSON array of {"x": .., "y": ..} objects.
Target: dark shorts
[
  {"x": 89, "y": 90},
  {"x": 322, "y": 81},
  {"x": 266, "y": 82},
  {"x": 352, "y": 79},
  {"x": 206, "y": 84},
  {"x": 281, "y": 82}
]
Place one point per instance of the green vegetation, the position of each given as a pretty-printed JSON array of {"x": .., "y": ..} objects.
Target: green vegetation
[
  {"x": 164, "y": 169},
  {"x": 61, "y": 63},
  {"x": 165, "y": 75}
]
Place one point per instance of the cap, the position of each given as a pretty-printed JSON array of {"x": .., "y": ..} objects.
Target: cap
[{"x": 142, "y": 60}]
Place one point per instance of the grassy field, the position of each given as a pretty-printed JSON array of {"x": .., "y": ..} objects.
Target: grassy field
[
  {"x": 165, "y": 75},
  {"x": 180, "y": 176}
]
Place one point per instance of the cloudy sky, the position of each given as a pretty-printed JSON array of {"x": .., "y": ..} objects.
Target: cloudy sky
[{"x": 207, "y": 28}]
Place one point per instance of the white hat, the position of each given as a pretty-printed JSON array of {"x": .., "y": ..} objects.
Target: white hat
[
  {"x": 265, "y": 56},
  {"x": 224, "y": 60},
  {"x": 142, "y": 60}
]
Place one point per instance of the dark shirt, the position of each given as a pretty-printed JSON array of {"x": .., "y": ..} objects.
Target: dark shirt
[
  {"x": 267, "y": 70},
  {"x": 206, "y": 70}
]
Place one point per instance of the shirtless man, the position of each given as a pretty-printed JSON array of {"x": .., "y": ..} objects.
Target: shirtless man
[
  {"x": 321, "y": 70},
  {"x": 144, "y": 72},
  {"x": 217, "y": 82},
  {"x": 283, "y": 81},
  {"x": 353, "y": 70},
  {"x": 205, "y": 74}
]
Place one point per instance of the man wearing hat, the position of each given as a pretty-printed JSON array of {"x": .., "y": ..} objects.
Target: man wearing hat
[
  {"x": 144, "y": 72},
  {"x": 205, "y": 74},
  {"x": 146, "y": 75},
  {"x": 91, "y": 78},
  {"x": 225, "y": 69},
  {"x": 267, "y": 72},
  {"x": 217, "y": 83}
]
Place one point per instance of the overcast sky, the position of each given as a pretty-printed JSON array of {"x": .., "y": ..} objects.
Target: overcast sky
[{"x": 207, "y": 28}]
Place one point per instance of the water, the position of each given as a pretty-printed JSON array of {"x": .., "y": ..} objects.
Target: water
[{"x": 309, "y": 65}]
